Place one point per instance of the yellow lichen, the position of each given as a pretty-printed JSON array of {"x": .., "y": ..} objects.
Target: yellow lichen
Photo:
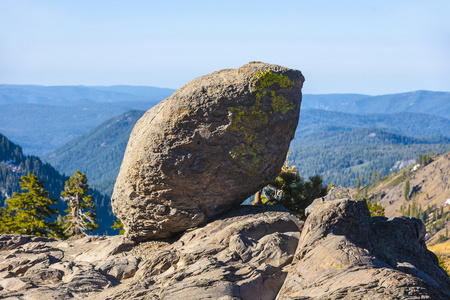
[{"x": 249, "y": 119}]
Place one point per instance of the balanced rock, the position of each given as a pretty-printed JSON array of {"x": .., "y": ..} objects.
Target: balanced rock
[{"x": 208, "y": 147}]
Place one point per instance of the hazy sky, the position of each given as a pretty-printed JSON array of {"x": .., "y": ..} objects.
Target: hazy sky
[{"x": 360, "y": 46}]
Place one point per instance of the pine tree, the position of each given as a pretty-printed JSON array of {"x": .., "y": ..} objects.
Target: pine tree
[
  {"x": 81, "y": 215},
  {"x": 407, "y": 189},
  {"x": 378, "y": 176},
  {"x": 119, "y": 226},
  {"x": 375, "y": 209},
  {"x": 290, "y": 190},
  {"x": 30, "y": 211}
]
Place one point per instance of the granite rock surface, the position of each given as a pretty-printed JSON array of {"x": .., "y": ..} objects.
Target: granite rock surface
[{"x": 344, "y": 253}]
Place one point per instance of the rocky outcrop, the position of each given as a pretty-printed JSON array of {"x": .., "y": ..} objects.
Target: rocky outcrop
[
  {"x": 239, "y": 256},
  {"x": 334, "y": 194},
  {"x": 343, "y": 253},
  {"x": 43, "y": 268},
  {"x": 340, "y": 252},
  {"x": 208, "y": 147}
]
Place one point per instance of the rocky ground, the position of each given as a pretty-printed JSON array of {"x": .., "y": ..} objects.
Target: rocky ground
[{"x": 340, "y": 252}]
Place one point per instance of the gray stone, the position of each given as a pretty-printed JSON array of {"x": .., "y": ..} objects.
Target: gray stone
[
  {"x": 101, "y": 247},
  {"x": 14, "y": 284},
  {"x": 343, "y": 253},
  {"x": 240, "y": 256},
  {"x": 43, "y": 276},
  {"x": 334, "y": 194},
  {"x": 120, "y": 268},
  {"x": 208, "y": 147}
]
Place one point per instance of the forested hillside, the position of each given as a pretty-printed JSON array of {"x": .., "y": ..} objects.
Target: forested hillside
[
  {"x": 342, "y": 156},
  {"x": 97, "y": 153},
  {"x": 14, "y": 164}
]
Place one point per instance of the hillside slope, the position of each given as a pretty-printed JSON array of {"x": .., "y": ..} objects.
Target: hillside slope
[{"x": 428, "y": 196}]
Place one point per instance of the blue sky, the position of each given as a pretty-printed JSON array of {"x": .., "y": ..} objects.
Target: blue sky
[{"x": 370, "y": 47}]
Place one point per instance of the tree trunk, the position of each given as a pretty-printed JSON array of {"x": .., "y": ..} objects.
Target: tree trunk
[{"x": 257, "y": 200}]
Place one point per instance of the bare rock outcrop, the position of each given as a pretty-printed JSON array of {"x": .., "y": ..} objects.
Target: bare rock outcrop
[
  {"x": 208, "y": 147},
  {"x": 343, "y": 253},
  {"x": 242, "y": 255},
  {"x": 249, "y": 253},
  {"x": 43, "y": 268}
]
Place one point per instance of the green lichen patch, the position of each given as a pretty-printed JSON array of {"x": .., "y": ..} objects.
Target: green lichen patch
[
  {"x": 280, "y": 104},
  {"x": 267, "y": 80},
  {"x": 250, "y": 120},
  {"x": 265, "y": 84}
]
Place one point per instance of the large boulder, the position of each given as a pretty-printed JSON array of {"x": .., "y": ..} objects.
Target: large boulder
[{"x": 208, "y": 147}]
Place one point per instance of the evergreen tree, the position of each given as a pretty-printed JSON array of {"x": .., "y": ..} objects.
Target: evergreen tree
[
  {"x": 30, "y": 211},
  {"x": 5, "y": 220},
  {"x": 81, "y": 215},
  {"x": 375, "y": 209},
  {"x": 290, "y": 190},
  {"x": 358, "y": 185},
  {"x": 378, "y": 176},
  {"x": 119, "y": 226},
  {"x": 407, "y": 189}
]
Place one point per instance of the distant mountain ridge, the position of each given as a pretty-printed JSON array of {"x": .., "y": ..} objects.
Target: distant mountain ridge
[
  {"x": 66, "y": 95},
  {"x": 42, "y": 119},
  {"x": 329, "y": 101},
  {"x": 413, "y": 124},
  {"x": 430, "y": 102}
]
